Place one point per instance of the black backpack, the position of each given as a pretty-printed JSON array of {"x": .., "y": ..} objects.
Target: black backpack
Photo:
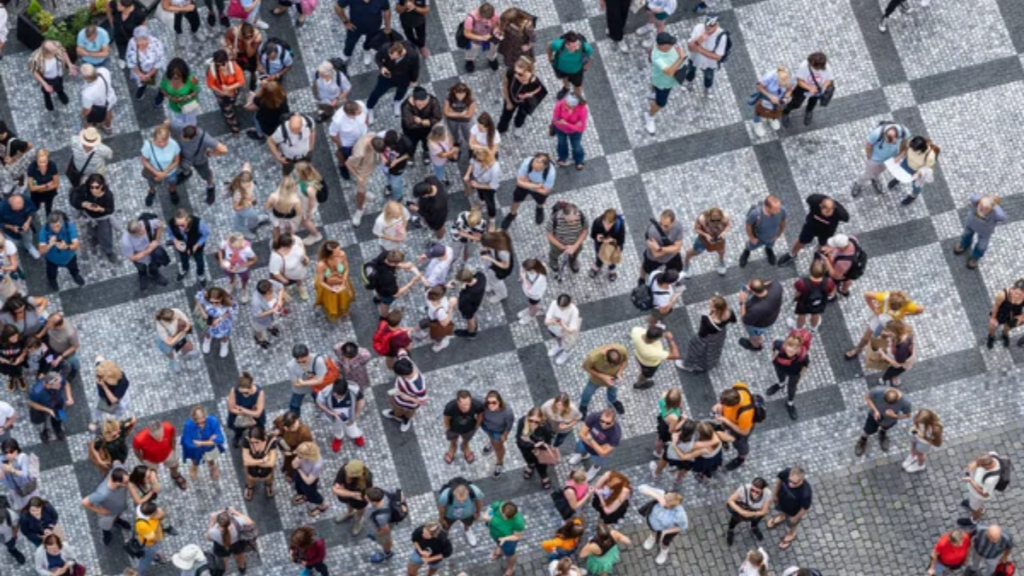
[
  {"x": 1005, "y": 469},
  {"x": 454, "y": 483},
  {"x": 285, "y": 48},
  {"x": 858, "y": 261},
  {"x": 757, "y": 404},
  {"x": 340, "y": 67},
  {"x": 728, "y": 47},
  {"x": 562, "y": 503},
  {"x": 814, "y": 301},
  {"x": 370, "y": 270},
  {"x": 501, "y": 274},
  {"x": 397, "y": 506}
]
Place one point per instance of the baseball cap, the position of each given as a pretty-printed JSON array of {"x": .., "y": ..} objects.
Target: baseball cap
[
  {"x": 839, "y": 241},
  {"x": 711, "y": 20},
  {"x": 436, "y": 250}
]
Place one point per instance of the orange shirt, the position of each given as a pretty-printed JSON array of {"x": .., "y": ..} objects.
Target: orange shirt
[
  {"x": 743, "y": 419},
  {"x": 219, "y": 79}
]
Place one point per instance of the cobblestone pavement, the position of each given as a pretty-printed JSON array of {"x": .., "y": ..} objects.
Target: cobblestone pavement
[{"x": 944, "y": 72}]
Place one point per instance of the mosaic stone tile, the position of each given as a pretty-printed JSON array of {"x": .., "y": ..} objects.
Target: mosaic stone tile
[
  {"x": 1002, "y": 248},
  {"x": 899, "y": 96},
  {"x": 622, "y": 164}
]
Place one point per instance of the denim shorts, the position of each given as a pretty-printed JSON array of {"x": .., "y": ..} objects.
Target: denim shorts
[
  {"x": 417, "y": 560},
  {"x": 509, "y": 547},
  {"x": 494, "y": 436},
  {"x": 755, "y": 332},
  {"x": 661, "y": 96}
]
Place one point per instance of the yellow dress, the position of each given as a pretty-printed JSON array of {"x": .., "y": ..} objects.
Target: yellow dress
[{"x": 334, "y": 304}]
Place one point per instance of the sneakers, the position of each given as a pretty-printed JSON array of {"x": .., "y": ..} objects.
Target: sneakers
[
  {"x": 722, "y": 269},
  {"x": 619, "y": 407},
  {"x": 908, "y": 200},
  {"x": 398, "y": 109},
  {"x": 389, "y": 414},
  {"x": 470, "y": 537},
  {"x": 883, "y": 441},
  {"x": 442, "y": 344},
  {"x": 773, "y": 390},
  {"x": 649, "y": 124},
  {"x": 791, "y": 410},
  {"x": 650, "y": 542},
  {"x": 653, "y": 467},
  {"x": 861, "y": 447},
  {"x": 34, "y": 253},
  {"x": 367, "y": 57},
  {"x": 336, "y": 445},
  {"x": 622, "y": 46},
  {"x": 303, "y": 292},
  {"x": 687, "y": 274},
  {"x": 562, "y": 358},
  {"x": 877, "y": 186},
  {"x": 775, "y": 124},
  {"x": 224, "y": 349},
  {"x": 882, "y": 26},
  {"x": 744, "y": 258},
  {"x": 517, "y": 131},
  {"x": 645, "y": 29},
  {"x": 263, "y": 25},
  {"x": 576, "y": 458},
  {"x": 310, "y": 240},
  {"x": 555, "y": 350},
  {"x": 357, "y": 218},
  {"x": 592, "y": 473},
  {"x": 759, "y": 129},
  {"x": 406, "y": 425},
  {"x": 380, "y": 557},
  {"x": 206, "y": 345},
  {"x": 729, "y": 537},
  {"x": 786, "y": 259},
  {"x": 662, "y": 557},
  {"x": 498, "y": 469},
  {"x": 770, "y": 255}
]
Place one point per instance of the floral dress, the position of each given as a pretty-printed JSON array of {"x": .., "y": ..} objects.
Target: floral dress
[{"x": 214, "y": 311}]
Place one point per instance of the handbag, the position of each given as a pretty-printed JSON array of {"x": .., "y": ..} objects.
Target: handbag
[
  {"x": 95, "y": 456},
  {"x": 78, "y": 570},
  {"x": 244, "y": 421},
  {"x": 547, "y": 456},
  {"x": 562, "y": 504},
  {"x": 610, "y": 253},
  {"x": 322, "y": 193},
  {"x": 191, "y": 107},
  {"x": 73, "y": 173},
  {"x": 27, "y": 488},
  {"x": 160, "y": 257},
  {"x": 134, "y": 548},
  {"x": 647, "y": 508},
  {"x": 824, "y": 96},
  {"x": 235, "y": 10}
]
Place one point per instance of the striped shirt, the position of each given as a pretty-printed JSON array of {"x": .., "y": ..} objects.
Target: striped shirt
[
  {"x": 567, "y": 232},
  {"x": 988, "y": 549},
  {"x": 410, "y": 393}
]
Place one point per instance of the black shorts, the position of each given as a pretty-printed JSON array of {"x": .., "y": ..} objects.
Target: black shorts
[
  {"x": 520, "y": 194},
  {"x": 532, "y": 301},
  {"x": 574, "y": 79},
  {"x": 676, "y": 263},
  {"x": 1007, "y": 319},
  {"x": 648, "y": 371},
  {"x": 468, "y": 309},
  {"x": 679, "y": 464},
  {"x": 235, "y": 549},
  {"x": 810, "y": 233},
  {"x": 802, "y": 310},
  {"x": 353, "y": 503}
]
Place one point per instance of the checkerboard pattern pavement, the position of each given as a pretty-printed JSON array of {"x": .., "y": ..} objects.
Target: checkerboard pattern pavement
[{"x": 943, "y": 72}]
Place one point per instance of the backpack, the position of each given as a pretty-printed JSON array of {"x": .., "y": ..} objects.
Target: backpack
[
  {"x": 885, "y": 125},
  {"x": 461, "y": 41},
  {"x": 858, "y": 261},
  {"x": 502, "y": 274},
  {"x": 454, "y": 483},
  {"x": 382, "y": 338},
  {"x": 286, "y": 48},
  {"x": 728, "y": 47},
  {"x": 642, "y": 296},
  {"x": 370, "y": 271},
  {"x": 814, "y": 301},
  {"x": 397, "y": 506},
  {"x": 340, "y": 67},
  {"x": 331, "y": 376},
  {"x": 757, "y": 405},
  {"x": 1005, "y": 469},
  {"x": 805, "y": 337},
  {"x": 583, "y": 44}
]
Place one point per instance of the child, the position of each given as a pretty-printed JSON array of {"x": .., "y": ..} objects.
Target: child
[
  {"x": 467, "y": 229},
  {"x": 441, "y": 150},
  {"x": 236, "y": 257},
  {"x": 352, "y": 361},
  {"x": 35, "y": 352},
  {"x": 243, "y": 201},
  {"x": 269, "y": 302}
]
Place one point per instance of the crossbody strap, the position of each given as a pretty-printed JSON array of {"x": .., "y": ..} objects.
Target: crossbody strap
[{"x": 155, "y": 161}]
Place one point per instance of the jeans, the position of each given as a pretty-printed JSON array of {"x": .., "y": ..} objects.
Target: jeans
[
  {"x": 983, "y": 566},
  {"x": 352, "y": 37},
  {"x": 382, "y": 87},
  {"x": 760, "y": 244},
  {"x": 320, "y": 568},
  {"x": 709, "y": 76},
  {"x": 438, "y": 170},
  {"x": 980, "y": 247},
  {"x": 346, "y": 151},
  {"x": 246, "y": 220},
  {"x": 146, "y": 271},
  {"x": 51, "y": 271},
  {"x": 149, "y": 554},
  {"x": 564, "y": 141},
  {"x": 582, "y": 448},
  {"x": 915, "y": 187},
  {"x": 12, "y": 549},
  {"x": 396, "y": 181},
  {"x": 590, "y": 389},
  {"x": 295, "y": 403},
  {"x": 198, "y": 257}
]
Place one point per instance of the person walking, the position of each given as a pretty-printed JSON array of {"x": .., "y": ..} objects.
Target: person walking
[
  {"x": 412, "y": 14},
  {"x": 773, "y": 90},
  {"x": 479, "y": 27},
  {"x": 363, "y": 19},
  {"x": 707, "y": 45},
  {"x": 760, "y": 306},
  {"x": 886, "y": 407},
  {"x": 1008, "y": 312},
  {"x": 600, "y": 434},
  {"x": 563, "y": 321},
  {"x": 150, "y": 532},
  {"x": 154, "y": 446},
  {"x": 658, "y": 12},
  {"x": 522, "y": 91},
  {"x": 991, "y": 546},
  {"x": 569, "y": 121},
  {"x": 259, "y": 457},
  {"x": 98, "y": 97},
  {"x": 570, "y": 55},
  {"x": 704, "y": 350},
  {"x": 497, "y": 423},
  {"x": 379, "y": 526},
  {"x": 535, "y": 179},
  {"x": 308, "y": 550},
  {"x": 410, "y": 392},
  {"x": 950, "y": 552},
  {"x": 506, "y": 526},
  {"x": 824, "y": 214},
  {"x": 918, "y": 160},
  {"x": 431, "y": 546},
  {"x": 664, "y": 241},
  {"x": 884, "y": 306},
  {"x": 202, "y": 441},
  {"x": 812, "y": 296},
  {"x": 925, "y": 435},
  {"x": 667, "y": 58},
  {"x": 496, "y": 251},
  {"x": 19, "y": 473},
  {"x": 750, "y": 503},
  {"x": 980, "y": 480},
  {"x": 765, "y": 223},
  {"x": 350, "y": 485},
  {"x": 460, "y": 501},
  {"x": 792, "y": 497},
  {"x": 663, "y": 296},
  {"x": 59, "y": 245},
  {"x": 650, "y": 352},
  {"x": 665, "y": 518},
  {"x": 734, "y": 413},
  {"x": 108, "y": 501},
  {"x": 984, "y": 215},
  {"x": 342, "y": 402},
  {"x": 882, "y": 143},
  {"x": 399, "y": 67},
  {"x": 616, "y": 15},
  {"x": 604, "y": 366},
  {"x": 890, "y": 9},
  {"x": 814, "y": 84},
  {"x": 197, "y": 147}
]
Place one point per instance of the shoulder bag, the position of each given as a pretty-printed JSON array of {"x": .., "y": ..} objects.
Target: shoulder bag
[
  {"x": 824, "y": 96},
  {"x": 547, "y": 456},
  {"x": 610, "y": 253},
  {"x": 73, "y": 173}
]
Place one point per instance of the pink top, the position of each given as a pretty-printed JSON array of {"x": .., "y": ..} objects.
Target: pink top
[
  {"x": 574, "y": 121},
  {"x": 579, "y": 489},
  {"x": 479, "y": 25}
]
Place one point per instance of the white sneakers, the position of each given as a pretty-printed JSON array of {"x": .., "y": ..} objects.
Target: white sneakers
[
  {"x": 310, "y": 240},
  {"x": 662, "y": 557},
  {"x": 592, "y": 473},
  {"x": 442, "y": 344},
  {"x": 645, "y": 29},
  {"x": 562, "y": 358},
  {"x": 555, "y": 350},
  {"x": 206, "y": 344},
  {"x": 759, "y": 129},
  {"x": 470, "y": 537},
  {"x": 650, "y": 542},
  {"x": 722, "y": 269},
  {"x": 775, "y": 124},
  {"x": 910, "y": 465},
  {"x": 369, "y": 117},
  {"x": 576, "y": 458},
  {"x": 623, "y": 46},
  {"x": 367, "y": 57},
  {"x": 524, "y": 317},
  {"x": 517, "y": 132},
  {"x": 649, "y": 124},
  {"x": 398, "y": 109},
  {"x": 34, "y": 252},
  {"x": 223, "y": 348},
  {"x": 261, "y": 25},
  {"x": 357, "y": 218},
  {"x": 653, "y": 466}
]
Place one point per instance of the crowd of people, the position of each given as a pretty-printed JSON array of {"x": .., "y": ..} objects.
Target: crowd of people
[{"x": 39, "y": 349}]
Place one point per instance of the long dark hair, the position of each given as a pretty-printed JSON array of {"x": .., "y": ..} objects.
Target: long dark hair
[
  {"x": 497, "y": 240},
  {"x": 485, "y": 120},
  {"x": 177, "y": 67}
]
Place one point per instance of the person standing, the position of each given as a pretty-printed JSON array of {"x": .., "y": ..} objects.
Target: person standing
[
  {"x": 307, "y": 550},
  {"x": 570, "y": 56},
  {"x": 431, "y": 546},
  {"x": 348, "y": 125},
  {"x": 535, "y": 440},
  {"x": 95, "y": 204},
  {"x": 792, "y": 497},
  {"x": 225, "y": 78},
  {"x": 498, "y": 421},
  {"x": 616, "y": 15},
  {"x": 363, "y": 18},
  {"x": 399, "y": 68},
  {"x": 950, "y": 552},
  {"x": 813, "y": 293},
  {"x": 460, "y": 501},
  {"x": 814, "y": 84},
  {"x": 566, "y": 232},
  {"x": 161, "y": 158},
  {"x": 667, "y": 57},
  {"x": 773, "y": 90},
  {"x": 984, "y": 215},
  {"x": 154, "y": 446},
  {"x": 19, "y": 473},
  {"x": 496, "y": 251},
  {"x": 980, "y": 484},
  {"x": 342, "y": 402},
  {"x": 650, "y": 352},
  {"x": 246, "y": 408},
  {"x": 664, "y": 240},
  {"x": 705, "y": 348},
  {"x": 666, "y": 520},
  {"x": 883, "y": 143},
  {"x": 9, "y": 530},
  {"x": 123, "y": 17},
  {"x": 197, "y": 147},
  {"x": 149, "y": 531},
  {"x": 886, "y": 407},
  {"x": 734, "y": 413},
  {"x": 109, "y": 501},
  {"x": 885, "y": 306},
  {"x": 760, "y": 306},
  {"x": 350, "y": 485},
  {"x": 1008, "y": 312},
  {"x": 663, "y": 296},
  {"x": 259, "y": 457},
  {"x": 824, "y": 215},
  {"x": 479, "y": 27},
  {"x": 707, "y": 47},
  {"x": 523, "y": 92},
  {"x": 89, "y": 155},
  {"x": 750, "y": 503},
  {"x": 309, "y": 466},
  {"x": 990, "y": 547},
  {"x": 918, "y": 160},
  {"x": 59, "y": 245},
  {"x": 50, "y": 65},
  {"x": 291, "y": 433},
  {"x": 925, "y": 435},
  {"x": 42, "y": 180},
  {"x": 535, "y": 179},
  {"x": 379, "y": 527},
  {"x": 765, "y": 223},
  {"x": 462, "y": 418},
  {"x": 604, "y": 366},
  {"x": 506, "y": 525},
  {"x": 569, "y": 120},
  {"x": 202, "y": 441},
  {"x": 225, "y": 530},
  {"x": 563, "y": 321},
  {"x": 410, "y": 392},
  {"x": 55, "y": 556},
  {"x": 790, "y": 360},
  {"x": 308, "y": 374},
  {"x": 420, "y": 112},
  {"x": 600, "y": 434}
]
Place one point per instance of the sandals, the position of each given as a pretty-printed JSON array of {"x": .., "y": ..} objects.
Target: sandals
[
  {"x": 248, "y": 492},
  {"x": 449, "y": 457},
  {"x": 786, "y": 542},
  {"x": 268, "y": 488},
  {"x": 773, "y": 522},
  {"x": 180, "y": 481},
  {"x": 527, "y": 472},
  {"x": 316, "y": 512},
  {"x": 854, "y": 357},
  {"x": 278, "y": 11},
  {"x": 613, "y": 276},
  {"x": 580, "y": 166},
  {"x": 545, "y": 483},
  {"x": 469, "y": 456},
  {"x": 298, "y": 499}
]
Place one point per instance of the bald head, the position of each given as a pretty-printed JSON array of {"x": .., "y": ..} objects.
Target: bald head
[
  {"x": 772, "y": 205},
  {"x": 295, "y": 123},
  {"x": 994, "y": 533}
]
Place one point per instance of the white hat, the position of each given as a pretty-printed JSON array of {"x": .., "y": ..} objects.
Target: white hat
[
  {"x": 839, "y": 241},
  {"x": 186, "y": 558}
]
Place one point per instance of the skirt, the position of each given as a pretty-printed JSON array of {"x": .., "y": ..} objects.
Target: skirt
[
  {"x": 703, "y": 354},
  {"x": 335, "y": 304},
  {"x": 612, "y": 517},
  {"x": 439, "y": 331},
  {"x": 707, "y": 466}
]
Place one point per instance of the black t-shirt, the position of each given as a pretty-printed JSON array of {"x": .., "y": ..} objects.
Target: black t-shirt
[
  {"x": 707, "y": 327},
  {"x": 793, "y": 500},
  {"x": 270, "y": 118},
  {"x": 463, "y": 422},
  {"x": 386, "y": 283},
  {"x": 434, "y": 209},
  {"x": 820, "y": 223},
  {"x": 471, "y": 297},
  {"x": 41, "y": 177},
  {"x": 412, "y": 17},
  {"x": 404, "y": 147},
  {"x": 268, "y": 447},
  {"x": 352, "y": 484},
  {"x": 124, "y": 27},
  {"x": 16, "y": 145},
  {"x": 439, "y": 544},
  {"x": 763, "y": 311},
  {"x": 790, "y": 364}
]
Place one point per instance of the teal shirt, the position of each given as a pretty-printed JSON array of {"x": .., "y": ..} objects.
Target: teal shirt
[
  {"x": 570, "y": 62},
  {"x": 659, "y": 61}
]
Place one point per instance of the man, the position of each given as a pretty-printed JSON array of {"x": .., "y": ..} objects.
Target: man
[
  {"x": 123, "y": 17},
  {"x": 47, "y": 400},
  {"x": 412, "y": 14},
  {"x": 462, "y": 418},
  {"x": 734, "y": 413},
  {"x": 793, "y": 499},
  {"x": 138, "y": 247},
  {"x": 604, "y": 366},
  {"x": 109, "y": 501},
  {"x": 98, "y": 98},
  {"x": 275, "y": 60},
  {"x": 982, "y": 219},
  {"x": 650, "y": 353},
  {"x": 292, "y": 142},
  {"x": 980, "y": 481},
  {"x": 663, "y": 295},
  {"x": 460, "y": 501},
  {"x": 766, "y": 221},
  {"x": 882, "y": 143},
  {"x": 161, "y": 157},
  {"x": 378, "y": 529},
  {"x": 385, "y": 280},
  {"x": 89, "y": 155},
  {"x": 58, "y": 243},
  {"x": 343, "y": 401},
  {"x": 990, "y": 546},
  {"x": 812, "y": 295},
  {"x": 536, "y": 179},
  {"x": 616, "y": 14},
  {"x": 191, "y": 560},
  {"x": 17, "y": 213},
  {"x": 63, "y": 341},
  {"x": 664, "y": 240},
  {"x": 439, "y": 259},
  {"x": 420, "y": 112},
  {"x": 760, "y": 305},
  {"x": 479, "y": 27},
  {"x": 598, "y": 437},
  {"x": 156, "y": 447},
  {"x": 824, "y": 215},
  {"x": 567, "y": 231},
  {"x": 399, "y": 69},
  {"x": 14, "y": 158},
  {"x": 348, "y": 125},
  {"x": 431, "y": 205},
  {"x": 149, "y": 531},
  {"x": 189, "y": 235},
  {"x": 395, "y": 339},
  {"x": 749, "y": 503},
  {"x": 707, "y": 46},
  {"x": 364, "y": 19},
  {"x": 8, "y": 416},
  {"x": 95, "y": 204},
  {"x": 473, "y": 286},
  {"x": 395, "y": 150},
  {"x": 197, "y": 147},
  {"x": 93, "y": 46},
  {"x": 570, "y": 57},
  {"x": 307, "y": 373},
  {"x": 886, "y": 407}
]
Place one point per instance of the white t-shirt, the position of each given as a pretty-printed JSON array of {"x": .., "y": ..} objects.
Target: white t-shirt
[
  {"x": 701, "y": 61},
  {"x": 382, "y": 228},
  {"x": 570, "y": 316},
  {"x": 819, "y": 78},
  {"x": 987, "y": 479},
  {"x": 748, "y": 569},
  {"x": 480, "y": 136},
  {"x": 291, "y": 144},
  {"x": 10, "y": 249},
  {"x": 538, "y": 285},
  {"x": 666, "y": 6},
  {"x": 438, "y": 310},
  {"x": 553, "y": 569},
  {"x": 348, "y": 129},
  {"x": 290, "y": 266},
  {"x": 3, "y": 24},
  {"x": 237, "y": 257},
  {"x": 662, "y": 296},
  {"x": 6, "y": 413},
  {"x": 437, "y": 269},
  {"x": 98, "y": 93}
]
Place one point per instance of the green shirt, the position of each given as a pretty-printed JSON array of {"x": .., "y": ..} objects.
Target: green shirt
[
  {"x": 176, "y": 98},
  {"x": 502, "y": 527},
  {"x": 598, "y": 362},
  {"x": 570, "y": 62},
  {"x": 659, "y": 61}
]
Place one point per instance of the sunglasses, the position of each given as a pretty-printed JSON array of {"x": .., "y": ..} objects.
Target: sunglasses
[
  {"x": 532, "y": 421},
  {"x": 492, "y": 402},
  {"x": 95, "y": 187}
]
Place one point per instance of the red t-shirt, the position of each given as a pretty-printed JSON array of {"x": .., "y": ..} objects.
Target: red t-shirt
[
  {"x": 153, "y": 451},
  {"x": 950, "y": 555}
]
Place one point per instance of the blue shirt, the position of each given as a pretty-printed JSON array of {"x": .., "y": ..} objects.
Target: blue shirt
[
  {"x": 366, "y": 16},
  {"x": 771, "y": 84},
  {"x": 102, "y": 39},
  {"x": 160, "y": 158},
  {"x": 283, "y": 60},
  {"x": 68, "y": 233},
  {"x": 662, "y": 518},
  {"x": 52, "y": 399},
  {"x": 538, "y": 177},
  {"x": 9, "y": 216},
  {"x": 881, "y": 150},
  {"x": 459, "y": 510}
]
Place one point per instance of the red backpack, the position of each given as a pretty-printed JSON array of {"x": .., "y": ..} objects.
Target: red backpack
[
  {"x": 382, "y": 338},
  {"x": 805, "y": 337}
]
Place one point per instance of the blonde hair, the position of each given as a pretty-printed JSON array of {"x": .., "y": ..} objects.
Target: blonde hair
[
  {"x": 579, "y": 476},
  {"x": 161, "y": 131},
  {"x": 393, "y": 211},
  {"x": 673, "y": 499},
  {"x": 287, "y": 195},
  {"x": 474, "y": 218},
  {"x": 42, "y": 152},
  {"x": 484, "y": 156},
  {"x": 306, "y": 172},
  {"x": 236, "y": 239},
  {"x": 109, "y": 372},
  {"x": 110, "y": 426},
  {"x": 308, "y": 451},
  {"x": 784, "y": 76}
]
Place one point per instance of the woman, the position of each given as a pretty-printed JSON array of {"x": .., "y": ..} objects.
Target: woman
[
  {"x": 38, "y": 520},
  {"x": 918, "y": 160},
  {"x": 755, "y": 563},
  {"x": 246, "y": 407},
  {"x": 685, "y": 446},
  {"x": 391, "y": 227},
  {"x": 516, "y": 36},
  {"x": 707, "y": 451},
  {"x": 523, "y": 92},
  {"x": 670, "y": 416},
  {"x": 884, "y": 306},
  {"x": 305, "y": 548},
  {"x": 350, "y": 485},
  {"x": 12, "y": 357},
  {"x": 901, "y": 352},
  {"x": 334, "y": 292},
  {"x": 533, "y": 276},
  {"x": 576, "y": 493},
  {"x": 202, "y": 440},
  {"x": 225, "y": 532},
  {"x": 269, "y": 104},
  {"x": 43, "y": 178},
  {"x": 218, "y": 311},
  {"x": 111, "y": 445},
  {"x": 259, "y": 457},
  {"x": 172, "y": 336},
  {"x": 183, "y": 10},
  {"x": 144, "y": 486},
  {"x": 665, "y": 519},
  {"x": 225, "y": 78},
  {"x": 569, "y": 121},
  {"x": 50, "y": 65},
  {"x": 285, "y": 208},
  {"x": 602, "y": 552},
  {"x": 710, "y": 229},
  {"x": 611, "y": 496},
  {"x": 289, "y": 265},
  {"x": 270, "y": 302},
  {"x": 813, "y": 80},
  {"x": 563, "y": 321},
  {"x": 466, "y": 231},
  {"x": 244, "y": 203},
  {"x": 309, "y": 467},
  {"x": 55, "y": 558},
  {"x": 1007, "y": 311},
  {"x": 496, "y": 251},
  {"x": 562, "y": 417},
  {"x": 609, "y": 235},
  {"x": 534, "y": 440},
  {"x": 145, "y": 58},
  {"x": 181, "y": 89},
  {"x": 925, "y": 435},
  {"x": 26, "y": 314},
  {"x": 705, "y": 349},
  {"x": 242, "y": 43},
  {"x": 790, "y": 361},
  {"x": 441, "y": 151},
  {"x": 310, "y": 182},
  {"x": 439, "y": 315},
  {"x": 564, "y": 567},
  {"x": 362, "y": 164},
  {"x": 292, "y": 433},
  {"x": 497, "y": 423},
  {"x": 566, "y": 540},
  {"x": 20, "y": 474},
  {"x": 236, "y": 257},
  {"x": 9, "y": 265},
  {"x": 484, "y": 135},
  {"x": 484, "y": 175},
  {"x": 431, "y": 546},
  {"x": 773, "y": 90},
  {"x": 459, "y": 111}
]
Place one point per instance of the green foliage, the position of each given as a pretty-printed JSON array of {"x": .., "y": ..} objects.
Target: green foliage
[{"x": 64, "y": 34}]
